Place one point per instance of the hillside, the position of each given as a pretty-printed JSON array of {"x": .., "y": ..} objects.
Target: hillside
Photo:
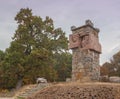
[{"x": 79, "y": 91}]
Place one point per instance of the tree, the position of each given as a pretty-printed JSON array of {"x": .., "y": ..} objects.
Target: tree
[
  {"x": 115, "y": 62},
  {"x": 35, "y": 51},
  {"x": 2, "y": 55},
  {"x": 63, "y": 65},
  {"x": 104, "y": 69},
  {"x": 112, "y": 68}
]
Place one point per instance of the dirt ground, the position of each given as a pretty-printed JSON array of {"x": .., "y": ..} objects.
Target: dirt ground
[
  {"x": 79, "y": 91},
  {"x": 6, "y": 98}
]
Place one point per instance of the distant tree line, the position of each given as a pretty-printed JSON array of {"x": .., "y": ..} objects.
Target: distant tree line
[
  {"x": 38, "y": 49},
  {"x": 112, "y": 68}
]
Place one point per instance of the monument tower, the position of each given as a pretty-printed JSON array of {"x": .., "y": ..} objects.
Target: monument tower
[{"x": 84, "y": 42}]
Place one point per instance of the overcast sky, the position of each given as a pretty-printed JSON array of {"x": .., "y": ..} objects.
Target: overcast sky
[{"x": 105, "y": 14}]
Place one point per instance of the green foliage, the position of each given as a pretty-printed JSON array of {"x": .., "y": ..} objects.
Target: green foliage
[
  {"x": 37, "y": 50},
  {"x": 11, "y": 70},
  {"x": 63, "y": 65},
  {"x": 2, "y": 55}
]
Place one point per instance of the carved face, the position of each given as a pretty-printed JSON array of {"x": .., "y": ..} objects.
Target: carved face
[
  {"x": 74, "y": 38},
  {"x": 74, "y": 41}
]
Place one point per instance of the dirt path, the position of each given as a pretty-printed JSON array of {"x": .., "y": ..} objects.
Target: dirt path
[{"x": 7, "y": 98}]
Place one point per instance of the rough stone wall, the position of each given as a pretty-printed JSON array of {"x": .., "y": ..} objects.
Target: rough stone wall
[
  {"x": 86, "y": 48},
  {"x": 85, "y": 65}
]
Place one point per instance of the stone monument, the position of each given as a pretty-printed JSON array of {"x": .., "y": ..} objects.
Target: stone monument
[{"x": 84, "y": 42}]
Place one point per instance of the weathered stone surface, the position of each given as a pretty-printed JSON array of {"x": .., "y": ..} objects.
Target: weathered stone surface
[
  {"x": 91, "y": 43},
  {"x": 74, "y": 41},
  {"x": 84, "y": 40},
  {"x": 86, "y": 48},
  {"x": 88, "y": 22},
  {"x": 114, "y": 79}
]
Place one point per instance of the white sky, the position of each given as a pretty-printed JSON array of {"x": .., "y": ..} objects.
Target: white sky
[{"x": 66, "y": 13}]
